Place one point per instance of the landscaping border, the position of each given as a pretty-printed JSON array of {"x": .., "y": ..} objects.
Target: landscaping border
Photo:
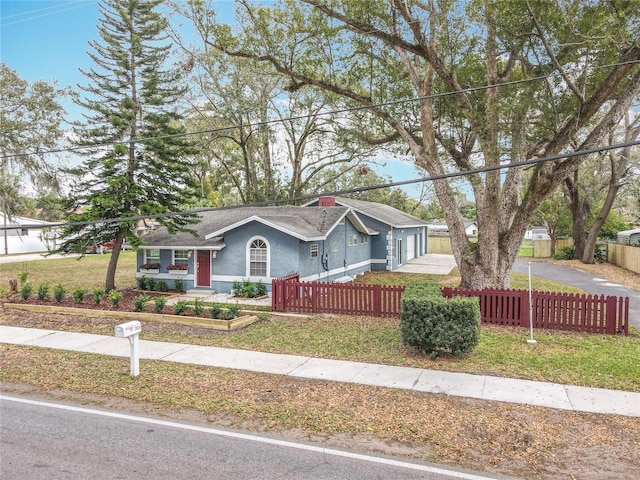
[{"x": 212, "y": 323}]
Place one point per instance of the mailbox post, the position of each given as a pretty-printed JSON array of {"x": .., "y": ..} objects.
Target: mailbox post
[{"x": 131, "y": 330}]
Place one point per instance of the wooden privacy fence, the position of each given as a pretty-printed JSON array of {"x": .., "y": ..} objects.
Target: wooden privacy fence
[
  {"x": 290, "y": 294},
  {"x": 559, "y": 311}
]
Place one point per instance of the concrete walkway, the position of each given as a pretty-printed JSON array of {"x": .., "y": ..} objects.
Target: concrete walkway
[{"x": 552, "y": 395}]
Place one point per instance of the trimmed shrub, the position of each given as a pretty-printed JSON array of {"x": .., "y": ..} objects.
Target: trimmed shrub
[
  {"x": 151, "y": 284},
  {"x": 78, "y": 294},
  {"x": 158, "y": 304},
  {"x": 234, "y": 311},
  {"x": 214, "y": 311},
  {"x": 236, "y": 287},
  {"x": 248, "y": 290},
  {"x": 139, "y": 302},
  {"x": 59, "y": 293},
  {"x": 261, "y": 289},
  {"x": 43, "y": 292},
  {"x": 142, "y": 282},
  {"x": 436, "y": 325},
  {"x": 565, "y": 253},
  {"x": 98, "y": 295},
  {"x": 25, "y": 291},
  {"x": 180, "y": 307},
  {"x": 115, "y": 297},
  {"x": 198, "y": 306},
  {"x": 162, "y": 286},
  {"x": 178, "y": 284}
]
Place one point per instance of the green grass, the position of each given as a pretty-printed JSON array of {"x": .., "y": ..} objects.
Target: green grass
[
  {"x": 89, "y": 271},
  {"x": 602, "y": 361},
  {"x": 579, "y": 359}
]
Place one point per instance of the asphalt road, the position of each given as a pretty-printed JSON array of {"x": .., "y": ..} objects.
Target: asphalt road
[
  {"x": 585, "y": 281},
  {"x": 45, "y": 440}
]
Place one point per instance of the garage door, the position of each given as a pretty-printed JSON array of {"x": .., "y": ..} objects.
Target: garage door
[{"x": 411, "y": 247}]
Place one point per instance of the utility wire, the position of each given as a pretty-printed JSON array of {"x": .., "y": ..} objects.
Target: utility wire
[
  {"x": 57, "y": 9},
  {"x": 302, "y": 117},
  {"x": 301, "y": 198}
]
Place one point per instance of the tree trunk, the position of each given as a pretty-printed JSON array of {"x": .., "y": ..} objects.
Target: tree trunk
[
  {"x": 579, "y": 214},
  {"x": 110, "y": 283},
  {"x": 618, "y": 171}
]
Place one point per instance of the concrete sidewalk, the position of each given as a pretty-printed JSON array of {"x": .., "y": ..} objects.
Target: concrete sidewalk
[{"x": 552, "y": 395}]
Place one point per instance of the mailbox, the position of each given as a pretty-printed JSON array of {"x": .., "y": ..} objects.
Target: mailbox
[{"x": 128, "y": 329}]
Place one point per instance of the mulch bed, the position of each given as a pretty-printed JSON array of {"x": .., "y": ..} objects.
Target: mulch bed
[{"x": 126, "y": 304}]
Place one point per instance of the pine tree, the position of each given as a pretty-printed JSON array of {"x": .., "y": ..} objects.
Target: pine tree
[{"x": 131, "y": 131}]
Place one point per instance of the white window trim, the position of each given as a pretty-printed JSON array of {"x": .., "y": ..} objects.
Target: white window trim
[
  {"x": 248, "y": 257},
  {"x": 313, "y": 249},
  {"x": 148, "y": 259},
  {"x": 175, "y": 260}
]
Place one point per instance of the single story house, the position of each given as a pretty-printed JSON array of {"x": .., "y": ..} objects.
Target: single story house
[
  {"x": 537, "y": 233},
  {"x": 329, "y": 239},
  {"x": 25, "y": 235},
  {"x": 440, "y": 227}
]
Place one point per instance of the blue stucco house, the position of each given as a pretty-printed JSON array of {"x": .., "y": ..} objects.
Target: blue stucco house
[{"x": 329, "y": 239}]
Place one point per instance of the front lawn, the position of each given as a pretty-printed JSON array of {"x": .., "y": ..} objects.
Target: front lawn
[
  {"x": 88, "y": 271},
  {"x": 573, "y": 358}
]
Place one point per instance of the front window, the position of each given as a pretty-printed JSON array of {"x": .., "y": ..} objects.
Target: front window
[
  {"x": 181, "y": 258},
  {"x": 258, "y": 258},
  {"x": 314, "y": 250},
  {"x": 153, "y": 256}
]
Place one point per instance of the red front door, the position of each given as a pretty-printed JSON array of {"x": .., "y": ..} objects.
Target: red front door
[{"x": 204, "y": 268}]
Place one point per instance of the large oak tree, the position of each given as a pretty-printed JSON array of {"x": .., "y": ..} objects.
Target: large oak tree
[{"x": 461, "y": 85}]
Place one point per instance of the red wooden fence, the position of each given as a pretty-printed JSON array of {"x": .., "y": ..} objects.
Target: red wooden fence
[
  {"x": 290, "y": 294},
  {"x": 560, "y": 311}
]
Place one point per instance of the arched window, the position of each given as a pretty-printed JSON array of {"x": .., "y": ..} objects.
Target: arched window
[{"x": 258, "y": 258}]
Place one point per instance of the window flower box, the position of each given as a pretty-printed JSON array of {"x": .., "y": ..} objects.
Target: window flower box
[
  {"x": 150, "y": 268},
  {"x": 178, "y": 269}
]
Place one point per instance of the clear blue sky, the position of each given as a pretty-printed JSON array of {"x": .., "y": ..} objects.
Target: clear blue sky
[{"x": 49, "y": 39}]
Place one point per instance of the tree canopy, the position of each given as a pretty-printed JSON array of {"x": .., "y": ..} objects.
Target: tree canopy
[
  {"x": 132, "y": 133},
  {"x": 461, "y": 86}
]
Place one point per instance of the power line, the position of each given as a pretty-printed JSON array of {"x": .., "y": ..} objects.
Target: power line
[
  {"x": 302, "y": 117},
  {"x": 57, "y": 9},
  {"x": 301, "y": 198}
]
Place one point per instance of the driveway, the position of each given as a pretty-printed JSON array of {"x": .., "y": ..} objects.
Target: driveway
[
  {"x": 585, "y": 281},
  {"x": 433, "y": 263}
]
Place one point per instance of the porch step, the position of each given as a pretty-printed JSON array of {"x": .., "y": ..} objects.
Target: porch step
[{"x": 199, "y": 293}]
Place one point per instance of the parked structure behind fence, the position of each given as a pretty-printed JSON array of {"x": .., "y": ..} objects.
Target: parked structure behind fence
[
  {"x": 290, "y": 294},
  {"x": 559, "y": 311}
]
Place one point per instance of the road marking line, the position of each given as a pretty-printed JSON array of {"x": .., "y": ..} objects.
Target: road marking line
[{"x": 252, "y": 438}]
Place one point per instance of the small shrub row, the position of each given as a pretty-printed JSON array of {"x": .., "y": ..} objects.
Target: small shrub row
[
  {"x": 153, "y": 285},
  {"x": 437, "y": 325},
  {"x": 78, "y": 294},
  {"x": 248, "y": 289},
  {"x": 181, "y": 307}
]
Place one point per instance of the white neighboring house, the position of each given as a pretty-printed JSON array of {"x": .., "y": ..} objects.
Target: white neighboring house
[
  {"x": 440, "y": 228},
  {"x": 24, "y": 235},
  {"x": 537, "y": 233}
]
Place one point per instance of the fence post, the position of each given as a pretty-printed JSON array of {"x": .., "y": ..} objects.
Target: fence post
[
  {"x": 377, "y": 300},
  {"x": 275, "y": 292},
  {"x": 611, "y": 321},
  {"x": 526, "y": 308}
]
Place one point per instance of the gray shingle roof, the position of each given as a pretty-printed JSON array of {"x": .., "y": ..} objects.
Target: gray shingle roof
[
  {"x": 307, "y": 223},
  {"x": 384, "y": 213}
]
